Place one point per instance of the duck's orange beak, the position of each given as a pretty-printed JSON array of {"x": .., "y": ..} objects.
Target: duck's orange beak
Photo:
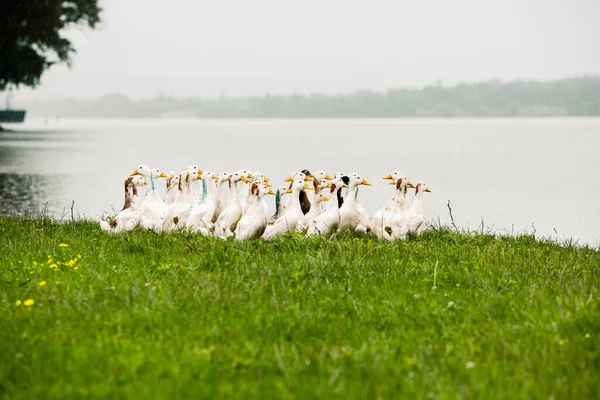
[
  {"x": 388, "y": 176},
  {"x": 366, "y": 182},
  {"x": 271, "y": 192},
  {"x": 137, "y": 171}
]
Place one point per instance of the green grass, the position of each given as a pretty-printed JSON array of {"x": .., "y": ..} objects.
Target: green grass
[{"x": 182, "y": 316}]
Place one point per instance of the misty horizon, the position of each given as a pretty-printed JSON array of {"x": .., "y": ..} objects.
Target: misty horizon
[{"x": 203, "y": 49}]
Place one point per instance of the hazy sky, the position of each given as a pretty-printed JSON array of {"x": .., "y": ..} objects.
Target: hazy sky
[{"x": 204, "y": 48}]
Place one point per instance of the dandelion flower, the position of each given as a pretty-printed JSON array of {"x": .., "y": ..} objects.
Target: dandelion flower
[
  {"x": 29, "y": 302},
  {"x": 78, "y": 255},
  {"x": 75, "y": 269},
  {"x": 561, "y": 342},
  {"x": 63, "y": 245},
  {"x": 450, "y": 304},
  {"x": 470, "y": 365},
  {"x": 18, "y": 303},
  {"x": 42, "y": 283}
]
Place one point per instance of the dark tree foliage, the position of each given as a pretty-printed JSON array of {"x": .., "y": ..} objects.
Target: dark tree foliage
[{"x": 30, "y": 36}]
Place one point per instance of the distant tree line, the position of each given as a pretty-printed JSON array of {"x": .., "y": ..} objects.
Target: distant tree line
[{"x": 566, "y": 97}]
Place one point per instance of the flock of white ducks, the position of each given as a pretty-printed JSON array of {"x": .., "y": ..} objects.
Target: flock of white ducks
[{"x": 313, "y": 204}]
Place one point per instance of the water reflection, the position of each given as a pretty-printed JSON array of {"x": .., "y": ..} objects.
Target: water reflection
[{"x": 32, "y": 194}]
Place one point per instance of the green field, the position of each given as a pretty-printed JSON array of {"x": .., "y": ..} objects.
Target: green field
[{"x": 444, "y": 315}]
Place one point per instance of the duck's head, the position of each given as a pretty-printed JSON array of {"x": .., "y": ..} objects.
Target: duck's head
[
  {"x": 261, "y": 178},
  {"x": 299, "y": 176},
  {"x": 208, "y": 176},
  {"x": 421, "y": 187},
  {"x": 191, "y": 168},
  {"x": 339, "y": 174},
  {"x": 246, "y": 174},
  {"x": 320, "y": 184},
  {"x": 321, "y": 175},
  {"x": 157, "y": 173},
  {"x": 336, "y": 184},
  {"x": 402, "y": 183},
  {"x": 356, "y": 180},
  {"x": 393, "y": 176},
  {"x": 237, "y": 177},
  {"x": 223, "y": 177},
  {"x": 138, "y": 180},
  {"x": 142, "y": 170},
  {"x": 320, "y": 197},
  {"x": 298, "y": 185},
  {"x": 194, "y": 175},
  {"x": 174, "y": 181},
  {"x": 259, "y": 190}
]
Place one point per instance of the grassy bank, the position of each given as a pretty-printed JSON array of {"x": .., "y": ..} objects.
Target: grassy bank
[{"x": 143, "y": 315}]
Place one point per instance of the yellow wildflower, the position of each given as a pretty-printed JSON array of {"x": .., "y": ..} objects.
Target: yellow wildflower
[
  {"x": 42, "y": 283},
  {"x": 63, "y": 245},
  {"x": 28, "y": 302},
  {"x": 18, "y": 303},
  {"x": 70, "y": 263},
  {"x": 53, "y": 266},
  {"x": 75, "y": 269},
  {"x": 79, "y": 256},
  {"x": 561, "y": 342}
]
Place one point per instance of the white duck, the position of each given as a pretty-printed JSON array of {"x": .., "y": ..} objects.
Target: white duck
[
  {"x": 219, "y": 203},
  {"x": 280, "y": 197},
  {"x": 317, "y": 200},
  {"x": 350, "y": 215},
  {"x": 172, "y": 189},
  {"x": 314, "y": 212},
  {"x": 153, "y": 208},
  {"x": 254, "y": 221},
  {"x": 179, "y": 210},
  {"x": 377, "y": 224},
  {"x": 229, "y": 218},
  {"x": 243, "y": 187},
  {"x": 304, "y": 200},
  {"x": 395, "y": 221},
  {"x": 416, "y": 216},
  {"x": 259, "y": 178},
  {"x": 201, "y": 214},
  {"x": 129, "y": 217},
  {"x": 288, "y": 221},
  {"x": 328, "y": 222}
]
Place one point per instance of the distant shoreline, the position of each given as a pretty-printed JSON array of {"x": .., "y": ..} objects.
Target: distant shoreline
[{"x": 572, "y": 97}]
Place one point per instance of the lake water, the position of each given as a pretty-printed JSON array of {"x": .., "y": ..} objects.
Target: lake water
[{"x": 516, "y": 175}]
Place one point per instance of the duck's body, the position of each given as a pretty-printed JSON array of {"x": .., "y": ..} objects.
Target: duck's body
[
  {"x": 217, "y": 197},
  {"x": 327, "y": 222},
  {"x": 350, "y": 215},
  {"x": 153, "y": 209},
  {"x": 395, "y": 221},
  {"x": 229, "y": 218},
  {"x": 416, "y": 217},
  {"x": 129, "y": 217},
  {"x": 317, "y": 200},
  {"x": 253, "y": 223},
  {"x": 201, "y": 214},
  {"x": 289, "y": 220},
  {"x": 377, "y": 222}
]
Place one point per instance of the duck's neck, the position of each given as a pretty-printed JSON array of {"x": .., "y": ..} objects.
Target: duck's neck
[
  {"x": 417, "y": 206},
  {"x": 295, "y": 203},
  {"x": 232, "y": 197},
  {"x": 333, "y": 203},
  {"x": 352, "y": 194},
  {"x": 207, "y": 190},
  {"x": 400, "y": 198}
]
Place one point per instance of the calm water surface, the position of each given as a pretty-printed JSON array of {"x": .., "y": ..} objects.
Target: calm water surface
[{"x": 514, "y": 174}]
